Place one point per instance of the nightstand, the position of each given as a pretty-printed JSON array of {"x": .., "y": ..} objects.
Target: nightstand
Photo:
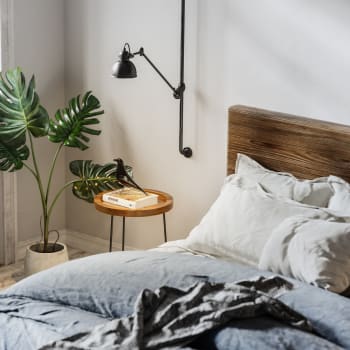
[{"x": 165, "y": 203}]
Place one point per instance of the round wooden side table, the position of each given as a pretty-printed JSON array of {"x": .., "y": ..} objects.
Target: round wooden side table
[{"x": 165, "y": 203}]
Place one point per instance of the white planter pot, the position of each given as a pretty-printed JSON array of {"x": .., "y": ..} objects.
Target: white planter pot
[{"x": 36, "y": 261}]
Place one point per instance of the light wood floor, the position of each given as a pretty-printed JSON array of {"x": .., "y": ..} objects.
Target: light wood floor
[{"x": 13, "y": 273}]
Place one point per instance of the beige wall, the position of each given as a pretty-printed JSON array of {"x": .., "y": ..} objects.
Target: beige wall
[
  {"x": 39, "y": 49},
  {"x": 289, "y": 56}
]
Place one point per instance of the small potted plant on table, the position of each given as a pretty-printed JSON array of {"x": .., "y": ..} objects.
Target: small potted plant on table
[{"x": 22, "y": 120}]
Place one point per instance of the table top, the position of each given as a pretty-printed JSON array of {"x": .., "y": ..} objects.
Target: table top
[{"x": 165, "y": 203}]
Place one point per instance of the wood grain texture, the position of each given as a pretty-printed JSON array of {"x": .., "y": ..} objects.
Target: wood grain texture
[
  {"x": 305, "y": 147},
  {"x": 165, "y": 203}
]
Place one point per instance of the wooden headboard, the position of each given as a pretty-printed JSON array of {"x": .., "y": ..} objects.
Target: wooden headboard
[{"x": 305, "y": 147}]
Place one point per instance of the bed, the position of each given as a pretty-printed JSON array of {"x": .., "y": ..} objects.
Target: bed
[{"x": 71, "y": 299}]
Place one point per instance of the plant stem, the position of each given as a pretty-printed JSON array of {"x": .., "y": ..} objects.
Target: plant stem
[
  {"x": 37, "y": 172},
  {"x": 30, "y": 169},
  {"x": 51, "y": 171},
  {"x": 41, "y": 190},
  {"x": 58, "y": 195}
]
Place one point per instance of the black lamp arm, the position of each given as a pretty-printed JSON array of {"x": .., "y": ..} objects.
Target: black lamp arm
[{"x": 177, "y": 92}]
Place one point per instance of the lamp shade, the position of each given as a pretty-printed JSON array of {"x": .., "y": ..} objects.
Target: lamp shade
[{"x": 124, "y": 68}]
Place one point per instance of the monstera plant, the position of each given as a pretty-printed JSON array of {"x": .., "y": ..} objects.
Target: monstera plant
[{"x": 23, "y": 119}]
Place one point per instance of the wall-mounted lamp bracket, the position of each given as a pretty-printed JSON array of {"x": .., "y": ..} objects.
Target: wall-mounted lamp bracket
[{"x": 124, "y": 68}]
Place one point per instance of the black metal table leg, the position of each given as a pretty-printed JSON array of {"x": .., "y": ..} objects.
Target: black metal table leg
[
  {"x": 123, "y": 237},
  {"x": 164, "y": 225},
  {"x": 123, "y": 232},
  {"x": 111, "y": 234}
]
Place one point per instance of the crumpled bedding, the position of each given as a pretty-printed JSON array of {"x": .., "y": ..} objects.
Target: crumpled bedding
[
  {"x": 170, "y": 317},
  {"x": 82, "y": 294}
]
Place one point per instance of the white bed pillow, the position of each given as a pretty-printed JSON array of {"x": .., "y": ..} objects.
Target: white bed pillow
[
  {"x": 340, "y": 201},
  {"x": 311, "y": 249},
  {"x": 274, "y": 256},
  {"x": 239, "y": 223},
  {"x": 315, "y": 192}
]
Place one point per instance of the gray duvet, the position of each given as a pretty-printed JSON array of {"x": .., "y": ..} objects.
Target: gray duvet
[{"x": 91, "y": 293}]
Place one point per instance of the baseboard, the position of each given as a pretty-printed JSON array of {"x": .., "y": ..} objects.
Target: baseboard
[
  {"x": 88, "y": 243},
  {"x": 77, "y": 240}
]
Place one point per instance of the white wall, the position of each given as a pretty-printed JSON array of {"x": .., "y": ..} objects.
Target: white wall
[
  {"x": 289, "y": 56},
  {"x": 141, "y": 120},
  {"x": 39, "y": 49}
]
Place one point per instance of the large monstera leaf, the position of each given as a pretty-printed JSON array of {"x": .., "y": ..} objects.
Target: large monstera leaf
[
  {"x": 12, "y": 156},
  {"x": 71, "y": 124},
  {"x": 94, "y": 178},
  {"x": 20, "y": 109}
]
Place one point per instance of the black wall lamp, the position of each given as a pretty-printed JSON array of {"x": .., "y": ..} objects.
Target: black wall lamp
[{"x": 124, "y": 68}]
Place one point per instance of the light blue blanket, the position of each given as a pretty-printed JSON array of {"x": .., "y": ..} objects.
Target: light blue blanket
[{"x": 81, "y": 294}]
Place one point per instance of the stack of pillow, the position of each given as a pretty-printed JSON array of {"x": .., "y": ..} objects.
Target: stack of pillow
[
  {"x": 298, "y": 228},
  {"x": 312, "y": 247}
]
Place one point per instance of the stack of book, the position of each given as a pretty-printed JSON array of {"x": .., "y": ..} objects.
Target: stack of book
[{"x": 130, "y": 197}]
